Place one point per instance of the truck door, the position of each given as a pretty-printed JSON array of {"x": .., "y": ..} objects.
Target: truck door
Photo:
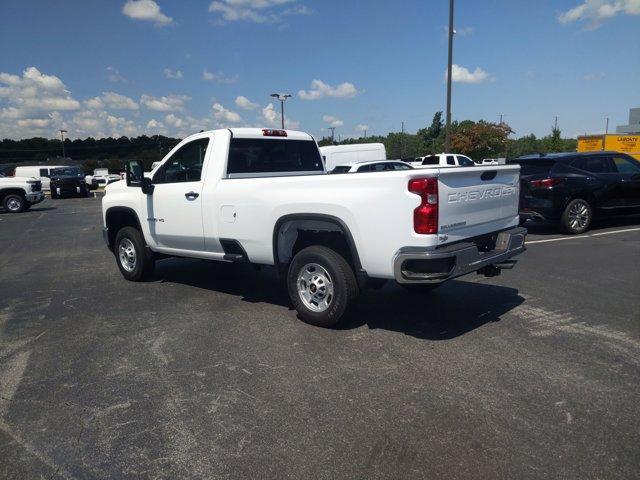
[{"x": 174, "y": 211}]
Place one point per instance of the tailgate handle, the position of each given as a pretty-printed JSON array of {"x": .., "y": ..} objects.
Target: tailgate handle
[{"x": 488, "y": 175}]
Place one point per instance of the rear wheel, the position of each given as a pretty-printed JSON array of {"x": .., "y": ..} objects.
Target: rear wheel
[
  {"x": 134, "y": 259},
  {"x": 14, "y": 203},
  {"x": 54, "y": 193},
  {"x": 321, "y": 285},
  {"x": 577, "y": 216}
]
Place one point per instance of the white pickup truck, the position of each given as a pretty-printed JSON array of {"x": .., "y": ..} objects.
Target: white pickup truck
[
  {"x": 18, "y": 194},
  {"x": 263, "y": 196},
  {"x": 442, "y": 160}
]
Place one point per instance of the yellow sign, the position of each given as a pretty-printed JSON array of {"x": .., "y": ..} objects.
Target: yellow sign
[
  {"x": 590, "y": 144},
  {"x": 629, "y": 144}
]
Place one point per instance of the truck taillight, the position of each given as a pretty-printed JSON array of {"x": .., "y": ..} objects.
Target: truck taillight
[
  {"x": 545, "y": 182},
  {"x": 270, "y": 132},
  {"x": 425, "y": 216}
]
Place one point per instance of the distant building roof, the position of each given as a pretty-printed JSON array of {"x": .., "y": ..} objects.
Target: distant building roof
[{"x": 634, "y": 122}]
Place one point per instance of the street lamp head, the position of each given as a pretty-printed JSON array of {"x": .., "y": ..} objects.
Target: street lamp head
[{"x": 281, "y": 96}]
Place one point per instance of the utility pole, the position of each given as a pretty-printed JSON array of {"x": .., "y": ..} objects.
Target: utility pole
[
  {"x": 500, "y": 115},
  {"x": 402, "y": 142},
  {"x": 447, "y": 138},
  {"x": 282, "y": 97},
  {"x": 62, "y": 132},
  {"x": 606, "y": 128},
  {"x": 333, "y": 129},
  {"x": 365, "y": 133},
  {"x": 555, "y": 124}
]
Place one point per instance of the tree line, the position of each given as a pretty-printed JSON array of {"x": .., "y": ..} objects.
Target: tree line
[{"x": 477, "y": 140}]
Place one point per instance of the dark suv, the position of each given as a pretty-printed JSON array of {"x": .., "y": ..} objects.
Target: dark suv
[
  {"x": 571, "y": 188},
  {"x": 68, "y": 182}
]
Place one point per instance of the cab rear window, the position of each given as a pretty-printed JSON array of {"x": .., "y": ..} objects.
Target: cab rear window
[{"x": 254, "y": 155}]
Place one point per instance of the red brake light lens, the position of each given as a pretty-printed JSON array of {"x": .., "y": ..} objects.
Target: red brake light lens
[
  {"x": 545, "y": 182},
  {"x": 269, "y": 132},
  {"x": 425, "y": 216}
]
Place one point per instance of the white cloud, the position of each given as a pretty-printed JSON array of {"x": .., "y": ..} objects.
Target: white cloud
[
  {"x": 172, "y": 74},
  {"x": 319, "y": 89},
  {"x": 34, "y": 122},
  {"x": 90, "y": 123},
  {"x": 174, "y": 121},
  {"x": 35, "y": 92},
  {"x": 245, "y": 103},
  {"x": 218, "y": 77},
  {"x": 221, "y": 113},
  {"x": 332, "y": 121},
  {"x": 164, "y": 104},
  {"x": 593, "y": 76},
  {"x": 111, "y": 100},
  {"x": 146, "y": 10},
  {"x": 114, "y": 75},
  {"x": 463, "y": 75},
  {"x": 154, "y": 124},
  {"x": 362, "y": 128},
  {"x": 596, "y": 12},
  {"x": 257, "y": 11},
  {"x": 271, "y": 118}
]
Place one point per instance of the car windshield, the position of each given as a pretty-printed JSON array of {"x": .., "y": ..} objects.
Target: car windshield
[
  {"x": 66, "y": 171},
  {"x": 534, "y": 166},
  {"x": 341, "y": 169}
]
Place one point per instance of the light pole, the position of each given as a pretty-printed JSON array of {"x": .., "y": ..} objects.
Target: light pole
[
  {"x": 282, "y": 97},
  {"x": 447, "y": 137},
  {"x": 606, "y": 128},
  {"x": 62, "y": 132},
  {"x": 333, "y": 130}
]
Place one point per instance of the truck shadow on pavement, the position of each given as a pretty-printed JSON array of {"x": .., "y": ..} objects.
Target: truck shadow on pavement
[{"x": 455, "y": 308}]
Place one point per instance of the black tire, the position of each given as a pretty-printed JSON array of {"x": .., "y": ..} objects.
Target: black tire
[
  {"x": 14, "y": 203},
  {"x": 577, "y": 216},
  {"x": 54, "y": 195},
  {"x": 420, "y": 287},
  {"x": 143, "y": 262},
  {"x": 341, "y": 276}
]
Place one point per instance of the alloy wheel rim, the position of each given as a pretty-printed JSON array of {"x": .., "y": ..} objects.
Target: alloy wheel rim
[
  {"x": 315, "y": 287},
  {"x": 578, "y": 215},
  {"x": 127, "y": 254},
  {"x": 13, "y": 204}
]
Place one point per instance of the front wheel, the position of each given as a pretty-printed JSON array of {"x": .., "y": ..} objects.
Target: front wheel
[
  {"x": 134, "y": 259},
  {"x": 577, "y": 216},
  {"x": 14, "y": 203},
  {"x": 321, "y": 285}
]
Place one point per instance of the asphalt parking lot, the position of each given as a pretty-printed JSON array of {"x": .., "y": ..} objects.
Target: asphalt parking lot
[{"x": 205, "y": 371}]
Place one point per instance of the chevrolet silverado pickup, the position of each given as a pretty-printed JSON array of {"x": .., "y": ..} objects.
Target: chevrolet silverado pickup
[
  {"x": 263, "y": 196},
  {"x": 18, "y": 194}
]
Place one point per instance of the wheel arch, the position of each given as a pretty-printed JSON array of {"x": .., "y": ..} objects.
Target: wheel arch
[
  {"x": 283, "y": 247},
  {"x": 119, "y": 217},
  {"x": 11, "y": 190}
]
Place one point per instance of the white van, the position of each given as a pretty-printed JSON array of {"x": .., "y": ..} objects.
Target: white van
[
  {"x": 334, "y": 155},
  {"x": 41, "y": 172}
]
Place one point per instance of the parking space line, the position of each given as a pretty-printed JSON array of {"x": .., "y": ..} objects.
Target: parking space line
[{"x": 582, "y": 236}]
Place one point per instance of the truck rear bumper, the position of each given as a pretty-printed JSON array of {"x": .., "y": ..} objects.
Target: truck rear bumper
[{"x": 416, "y": 265}]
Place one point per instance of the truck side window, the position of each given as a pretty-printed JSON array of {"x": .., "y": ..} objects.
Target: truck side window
[
  {"x": 431, "y": 160},
  {"x": 624, "y": 165},
  {"x": 451, "y": 160},
  {"x": 185, "y": 165},
  {"x": 44, "y": 172}
]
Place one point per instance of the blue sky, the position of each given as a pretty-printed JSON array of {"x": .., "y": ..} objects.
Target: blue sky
[{"x": 128, "y": 67}]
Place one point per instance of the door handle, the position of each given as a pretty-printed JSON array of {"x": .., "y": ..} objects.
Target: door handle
[{"x": 191, "y": 195}]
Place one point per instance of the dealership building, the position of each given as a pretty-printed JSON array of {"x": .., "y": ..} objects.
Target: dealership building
[{"x": 634, "y": 122}]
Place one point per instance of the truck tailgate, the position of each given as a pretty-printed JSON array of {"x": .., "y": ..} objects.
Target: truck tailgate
[{"x": 477, "y": 200}]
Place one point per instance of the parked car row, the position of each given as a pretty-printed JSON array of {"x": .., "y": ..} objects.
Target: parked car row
[{"x": 45, "y": 173}]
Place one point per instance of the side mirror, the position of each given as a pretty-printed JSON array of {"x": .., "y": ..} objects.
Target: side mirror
[{"x": 134, "y": 173}]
